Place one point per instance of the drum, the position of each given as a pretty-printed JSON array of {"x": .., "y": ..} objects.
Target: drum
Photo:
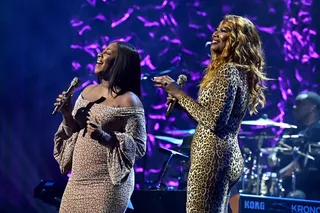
[
  {"x": 248, "y": 180},
  {"x": 248, "y": 183},
  {"x": 271, "y": 185}
]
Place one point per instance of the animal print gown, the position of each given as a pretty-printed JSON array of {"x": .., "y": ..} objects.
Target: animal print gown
[
  {"x": 102, "y": 178},
  {"x": 216, "y": 160}
]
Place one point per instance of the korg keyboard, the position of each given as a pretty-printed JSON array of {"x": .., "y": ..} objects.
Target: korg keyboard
[{"x": 264, "y": 204}]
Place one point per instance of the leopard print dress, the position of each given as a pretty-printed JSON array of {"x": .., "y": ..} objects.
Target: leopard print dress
[
  {"x": 216, "y": 160},
  {"x": 102, "y": 178}
]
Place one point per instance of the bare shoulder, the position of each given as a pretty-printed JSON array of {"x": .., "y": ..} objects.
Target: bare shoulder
[
  {"x": 129, "y": 99},
  {"x": 87, "y": 89}
]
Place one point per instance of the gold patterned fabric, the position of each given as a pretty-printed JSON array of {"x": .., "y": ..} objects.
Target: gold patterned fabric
[
  {"x": 216, "y": 161},
  {"x": 102, "y": 178}
]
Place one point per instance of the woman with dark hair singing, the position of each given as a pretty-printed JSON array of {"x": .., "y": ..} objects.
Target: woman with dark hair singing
[
  {"x": 233, "y": 82},
  {"x": 102, "y": 136}
]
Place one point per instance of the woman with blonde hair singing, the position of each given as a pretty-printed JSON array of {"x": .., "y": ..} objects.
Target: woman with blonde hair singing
[{"x": 233, "y": 82}]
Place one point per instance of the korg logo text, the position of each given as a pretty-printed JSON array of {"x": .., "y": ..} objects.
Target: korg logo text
[
  {"x": 305, "y": 209},
  {"x": 254, "y": 205}
]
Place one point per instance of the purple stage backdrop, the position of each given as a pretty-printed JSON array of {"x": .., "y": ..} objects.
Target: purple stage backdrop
[
  {"x": 52, "y": 42},
  {"x": 171, "y": 37}
]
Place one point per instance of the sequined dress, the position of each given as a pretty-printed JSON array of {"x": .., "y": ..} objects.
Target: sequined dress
[{"x": 102, "y": 178}]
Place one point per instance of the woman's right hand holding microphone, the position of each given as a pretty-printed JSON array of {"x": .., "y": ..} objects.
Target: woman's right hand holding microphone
[{"x": 66, "y": 109}]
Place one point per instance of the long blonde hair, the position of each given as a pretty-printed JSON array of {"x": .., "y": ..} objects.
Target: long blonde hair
[{"x": 243, "y": 49}]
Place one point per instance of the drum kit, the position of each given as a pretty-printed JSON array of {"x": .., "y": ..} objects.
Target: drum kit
[{"x": 257, "y": 177}]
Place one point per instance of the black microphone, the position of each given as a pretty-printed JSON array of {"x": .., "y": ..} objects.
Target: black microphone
[
  {"x": 74, "y": 84},
  {"x": 182, "y": 79}
]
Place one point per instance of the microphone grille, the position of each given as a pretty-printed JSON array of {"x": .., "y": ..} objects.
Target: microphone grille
[
  {"x": 208, "y": 43},
  {"x": 75, "y": 82},
  {"x": 182, "y": 79}
]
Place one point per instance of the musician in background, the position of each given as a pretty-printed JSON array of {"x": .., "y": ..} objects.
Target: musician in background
[{"x": 306, "y": 112}]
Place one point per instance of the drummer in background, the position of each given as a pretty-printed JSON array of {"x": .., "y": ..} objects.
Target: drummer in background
[{"x": 306, "y": 112}]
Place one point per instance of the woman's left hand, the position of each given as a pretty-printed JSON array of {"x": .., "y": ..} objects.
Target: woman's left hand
[
  {"x": 95, "y": 130},
  {"x": 169, "y": 85}
]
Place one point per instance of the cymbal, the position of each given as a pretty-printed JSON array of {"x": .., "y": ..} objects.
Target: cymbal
[
  {"x": 295, "y": 150},
  {"x": 257, "y": 137},
  {"x": 245, "y": 133},
  {"x": 271, "y": 150},
  {"x": 178, "y": 132},
  {"x": 169, "y": 139},
  {"x": 173, "y": 152},
  {"x": 268, "y": 122},
  {"x": 299, "y": 136}
]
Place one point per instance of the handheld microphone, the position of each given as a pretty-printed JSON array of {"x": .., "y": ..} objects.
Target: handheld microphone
[
  {"x": 182, "y": 79},
  {"x": 74, "y": 84}
]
